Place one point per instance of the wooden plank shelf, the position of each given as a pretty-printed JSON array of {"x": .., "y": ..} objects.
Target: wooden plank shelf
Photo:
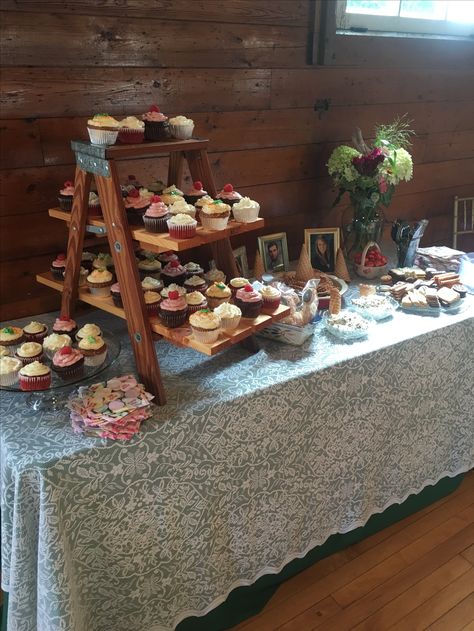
[
  {"x": 181, "y": 336},
  {"x": 139, "y": 150}
]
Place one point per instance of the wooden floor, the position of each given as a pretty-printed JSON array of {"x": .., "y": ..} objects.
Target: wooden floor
[{"x": 416, "y": 574}]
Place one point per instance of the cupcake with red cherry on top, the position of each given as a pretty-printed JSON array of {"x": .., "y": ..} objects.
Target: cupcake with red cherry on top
[
  {"x": 156, "y": 216},
  {"x": 64, "y": 324},
  {"x": 249, "y": 301},
  {"x": 135, "y": 205},
  {"x": 68, "y": 363},
  {"x": 173, "y": 272},
  {"x": 173, "y": 310},
  {"x": 228, "y": 195},
  {"x": 66, "y": 195},
  {"x": 58, "y": 266},
  {"x": 195, "y": 193},
  {"x": 156, "y": 124}
]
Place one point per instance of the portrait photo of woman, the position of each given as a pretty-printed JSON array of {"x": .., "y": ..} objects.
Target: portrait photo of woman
[{"x": 322, "y": 245}]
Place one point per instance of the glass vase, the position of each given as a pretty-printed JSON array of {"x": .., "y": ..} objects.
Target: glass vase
[{"x": 360, "y": 230}]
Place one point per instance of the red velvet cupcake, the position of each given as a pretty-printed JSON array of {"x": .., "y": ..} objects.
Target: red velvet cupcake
[{"x": 35, "y": 376}]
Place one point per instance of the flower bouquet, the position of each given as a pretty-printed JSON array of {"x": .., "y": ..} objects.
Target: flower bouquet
[{"x": 370, "y": 174}]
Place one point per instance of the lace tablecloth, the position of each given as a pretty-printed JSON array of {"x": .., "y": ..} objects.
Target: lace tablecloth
[{"x": 255, "y": 460}]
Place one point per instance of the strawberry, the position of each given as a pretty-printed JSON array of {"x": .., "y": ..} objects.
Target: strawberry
[
  {"x": 197, "y": 185},
  {"x": 64, "y": 318},
  {"x": 155, "y": 199},
  {"x": 68, "y": 183},
  {"x": 154, "y": 108},
  {"x": 173, "y": 295},
  {"x": 248, "y": 288},
  {"x": 65, "y": 350},
  {"x": 134, "y": 193},
  {"x": 61, "y": 257},
  {"x": 174, "y": 263},
  {"x": 228, "y": 188}
]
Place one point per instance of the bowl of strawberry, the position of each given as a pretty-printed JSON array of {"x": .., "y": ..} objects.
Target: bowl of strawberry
[{"x": 370, "y": 263}]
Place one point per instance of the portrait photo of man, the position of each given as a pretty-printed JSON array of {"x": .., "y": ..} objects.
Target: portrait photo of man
[{"x": 274, "y": 252}]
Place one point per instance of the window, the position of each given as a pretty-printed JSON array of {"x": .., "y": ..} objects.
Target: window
[{"x": 452, "y": 18}]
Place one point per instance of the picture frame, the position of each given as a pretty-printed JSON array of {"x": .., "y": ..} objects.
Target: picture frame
[
  {"x": 273, "y": 249},
  {"x": 322, "y": 245},
  {"x": 240, "y": 256}
]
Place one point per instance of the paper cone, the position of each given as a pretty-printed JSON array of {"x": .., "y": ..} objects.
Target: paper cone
[
  {"x": 334, "y": 301},
  {"x": 258, "y": 269},
  {"x": 340, "y": 269},
  {"x": 304, "y": 271}
]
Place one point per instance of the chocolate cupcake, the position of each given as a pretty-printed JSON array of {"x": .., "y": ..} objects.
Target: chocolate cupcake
[
  {"x": 152, "y": 302},
  {"x": 136, "y": 206},
  {"x": 228, "y": 195},
  {"x": 173, "y": 310},
  {"x": 58, "y": 266},
  {"x": 35, "y": 332},
  {"x": 173, "y": 272},
  {"x": 195, "y": 301},
  {"x": 195, "y": 283},
  {"x": 29, "y": 352},
  {"x": 249, "y": 301},
  {"x": 195, "y": 193},
  {"x": 218, "y": 293},
  {"x": 66, "y": 195},
  {"x": 156, "y": 125},
  {"x": 64, "y": 324},
  {"x": 116, "y": 295},
  {"x": 156, "y": 216},
  {"x": 11, "y": 336},
  {"x": 68, "y": 363},
  {"x": 99, "y": 282}
]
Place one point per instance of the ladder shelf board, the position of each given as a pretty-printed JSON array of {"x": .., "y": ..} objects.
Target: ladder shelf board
[
  {"x": 163, "y": 241},
  {"x": 145, "y": 149},
  {"x": 181, "y": 336}
]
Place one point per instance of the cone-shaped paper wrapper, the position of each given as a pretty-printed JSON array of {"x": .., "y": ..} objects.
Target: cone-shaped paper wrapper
[
  {"x": 334, "y": 301},
  {"x": 340, "y": 269},
  {"x": 258, "y": 269},
  {"x": 304, "y": 271}
]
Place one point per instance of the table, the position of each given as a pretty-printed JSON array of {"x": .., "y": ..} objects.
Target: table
[{"x": 255, "y": 460}]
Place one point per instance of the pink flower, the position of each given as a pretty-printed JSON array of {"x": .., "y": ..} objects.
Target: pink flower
[
  {"x": 367, "y": 165},
  {"x": 383, "y": 186}
]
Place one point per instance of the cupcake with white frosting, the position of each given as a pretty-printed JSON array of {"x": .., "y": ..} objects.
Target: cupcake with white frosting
[
  {"x": 205, "y": 325},
  {"x": 229, "y": 314},
  {"x": 94, "y": 350},
  {"x": 9, "y": 369},
  {"x": 182, "y": 226},
  {"x": 29, "y": 352},
  {"x": 54, "y": 342},
  {"x": 35, "y": 376},
  {"x": 246, "y": 210}
]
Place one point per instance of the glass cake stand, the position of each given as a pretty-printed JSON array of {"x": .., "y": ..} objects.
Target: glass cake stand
[{"x": 54, "y": 398}]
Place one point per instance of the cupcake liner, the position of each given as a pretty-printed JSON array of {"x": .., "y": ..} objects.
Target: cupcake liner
[
  {"x": 95, "y": 360},
  {"x": 228, "y": 324},
  {"x": 100, "y": 292},
  {"x": 153, "y": 308},
  {"x": 205, "y": 336},
  {"x": 70, "y": 372},
  {"x": 29, "y": 360},
  {"x": 156, "y": 224},
  {"x": 157, "y": 130},
  {"x": 186, "y": 231},
  {"x": 131, "y": 136},
  {"x": 190, "y": 288},
  {"x": 194, "y": 308},
  {"x": 102, "y": 136},
  {"x": 271, "y": 303},
  {"x": 245, "y": 216},
  {"x": 249, "y": 309},
  {"x": 173, "y": 319},
  {"x": 58, "y": 272},
  {"x": 94, "y": 210},
  {"x": 9, "y": 379},
  {"x": 213, "y": 223},
  {"x": 215, "y": 302},
  {"x": 40, "y": 382},
  {"x": 135, "y": 215},
  {"x": 65, "y": 203},
  {"x": 182, "y": 132},
  {"x": 117, "y": 299},
  {"x": 230, "y": 202},
  {"x": 169, "y": 280}
]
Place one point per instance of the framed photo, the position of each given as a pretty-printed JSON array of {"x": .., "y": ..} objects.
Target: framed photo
[
  {"x": 274, "y": 252},
  {"x": 322, "y": 245},
  {"x": 240, "y": 256}
]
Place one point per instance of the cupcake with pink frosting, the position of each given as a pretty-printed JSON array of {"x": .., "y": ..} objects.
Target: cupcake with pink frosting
[
  {"x": 68, "y": 362},
  {"x": 173, "y": 310},
  {"x": 249, "y": 301},
  {"x": 195, "y": 193},
  {"x": 173, "y": 272},
  {"x": 228, "y": 195},
  {"x": 156, "y": 124},
  {"x": 64, "y": 324},
  {"x": 156, "y": 216},
  {"x": 58, "y": 266},
  {"x": 66, "y": 195},
  {"x": 135, "y": 205}
]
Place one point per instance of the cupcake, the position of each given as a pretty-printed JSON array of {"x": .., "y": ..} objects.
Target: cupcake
[
  {"x": 11, "y": 336},
  {"x": 229, "y": 314},
  {"x": 64, "y": 324},
  {"x": 246, "y": 210},
  {"x": 35, "y": 376},
  {"x": 195, "y": 283},
  {"x": 228, "y": 195},
  {"x": 182, "y": 207},
  {"x": 193, "y": 269},
  {"x": 88, "y": 329},
  {"x": 58, "y": 266},
  {"x": 173, "y": 287},
  {"x": 237, "y": 283},
  {"x": 173, "y": 310},
  {"x": 35, "y": 332},
  {"x": 157, "y": 187},
  {"x": 217, "y": 293},
  {"x": 249, "y": 301},
  {"x": 182, "y": 226},
  {"x": 116, "y": 295},
  {"x": 215, "y": 275},
  {"x": 181, "y": 127},
  {"x": 68, "y": 363},
  {"x": 145, "y": 193},
  {"x": 195, "y": 301},
  {"x": 215, "y": 216},
  {"x": 135, "y": 205},
  {"x": 29, "y": 352},
  {"x": 149, "y": 267},
  {"x": 271, "y": 297},
  {"x": 173, "y": 272},
  {"x": 5, "y": 352},
  {"x": 152, "y": 301},
  {"x": 54, "y": 342},
  {"x": 205, "y": 326},
  {"x": 152, "y": 284},
  {"x": 99, "y": 282},
  {"x": 156, "y": 124},
  {"x": 87, "y": 259},
  {"x": 103, "y": 129},
  {"x": 195, "y": 193},
  {"x": 167, "y": 257},
  {"x": 94, "y": 209},
  {"x": 103, "y": 260},
  {"x": 131, "y": 130},
  {"x": 94, "y": 350},
  {"x": 9, "y": 369},
  {"x": 156, "y": 216},
  {"x": 172, "y": 194},
  {"x": 66, "y": 195}
]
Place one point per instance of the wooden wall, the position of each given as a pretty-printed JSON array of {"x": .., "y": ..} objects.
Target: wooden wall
[{"x": 241, "y": 69}]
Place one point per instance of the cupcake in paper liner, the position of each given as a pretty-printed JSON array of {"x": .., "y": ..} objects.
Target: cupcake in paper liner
[
  {"x": 246, "y": 210},
  {"x": 66, "y": 196},
  {"x": 215, "y": 216},
  {"x": 88, "y": 329},
  {"x": 58, "y": 266},
  {"x": 196, "y": 301},
  {"x": 195, "y": 283},
  {"x": 54, "y": 342},
  {"x": 116, "y": 295},
  {"x": 228, "y": 195},
  {"x": 215, "y": 275},
  {"x": 237, "y": 283},
  {"x": 11, "y": 337},
  {"x": 94, "y": 350},
  {"x": 193, "y": 269},
  {"x": 103, "y": 260},
  {"x": 132, "y": 130},
  {"x": 35, "y": 331},
  {"x": 65, "y": 324},
  {"x": 181, "y": 127},
  {"x": 136, "y": 206},
  {"x": 249, "y": 301},
  {"x": 94, "y": 209},
  {"x": 9, "y": 369},
  {"x": 218, "y": 293},
  {"x": 173, "y": 272},
  {"x": 195, "y": 193},
  {"x": 205, "y": 325},
  {"x": 156, "y": 216},
  {"x": 152, "y": 284},
  {"x": 68, "y": 363},
  {"x": 173, "y": 310},
  {"x": 229, "y": 314},
  {"x": 149, "y": 266},
  {"x": 99, "y": 282},
  {"x": 29, "y": 352},
  {"x": 156, "y": 125},
  {"x": 182, "y": 226},
  {"x": 172, "y": 194},
  {"x": 181, "y": 206},
  {"x": 35, "y": 376},
  {"x": 271, "y": 297},
  {"x": 152, "y": 302},
  {"x": 103, "y": 129}
]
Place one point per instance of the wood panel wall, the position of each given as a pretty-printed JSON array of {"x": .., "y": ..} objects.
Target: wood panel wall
[{"x": 241, "y": 70}]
